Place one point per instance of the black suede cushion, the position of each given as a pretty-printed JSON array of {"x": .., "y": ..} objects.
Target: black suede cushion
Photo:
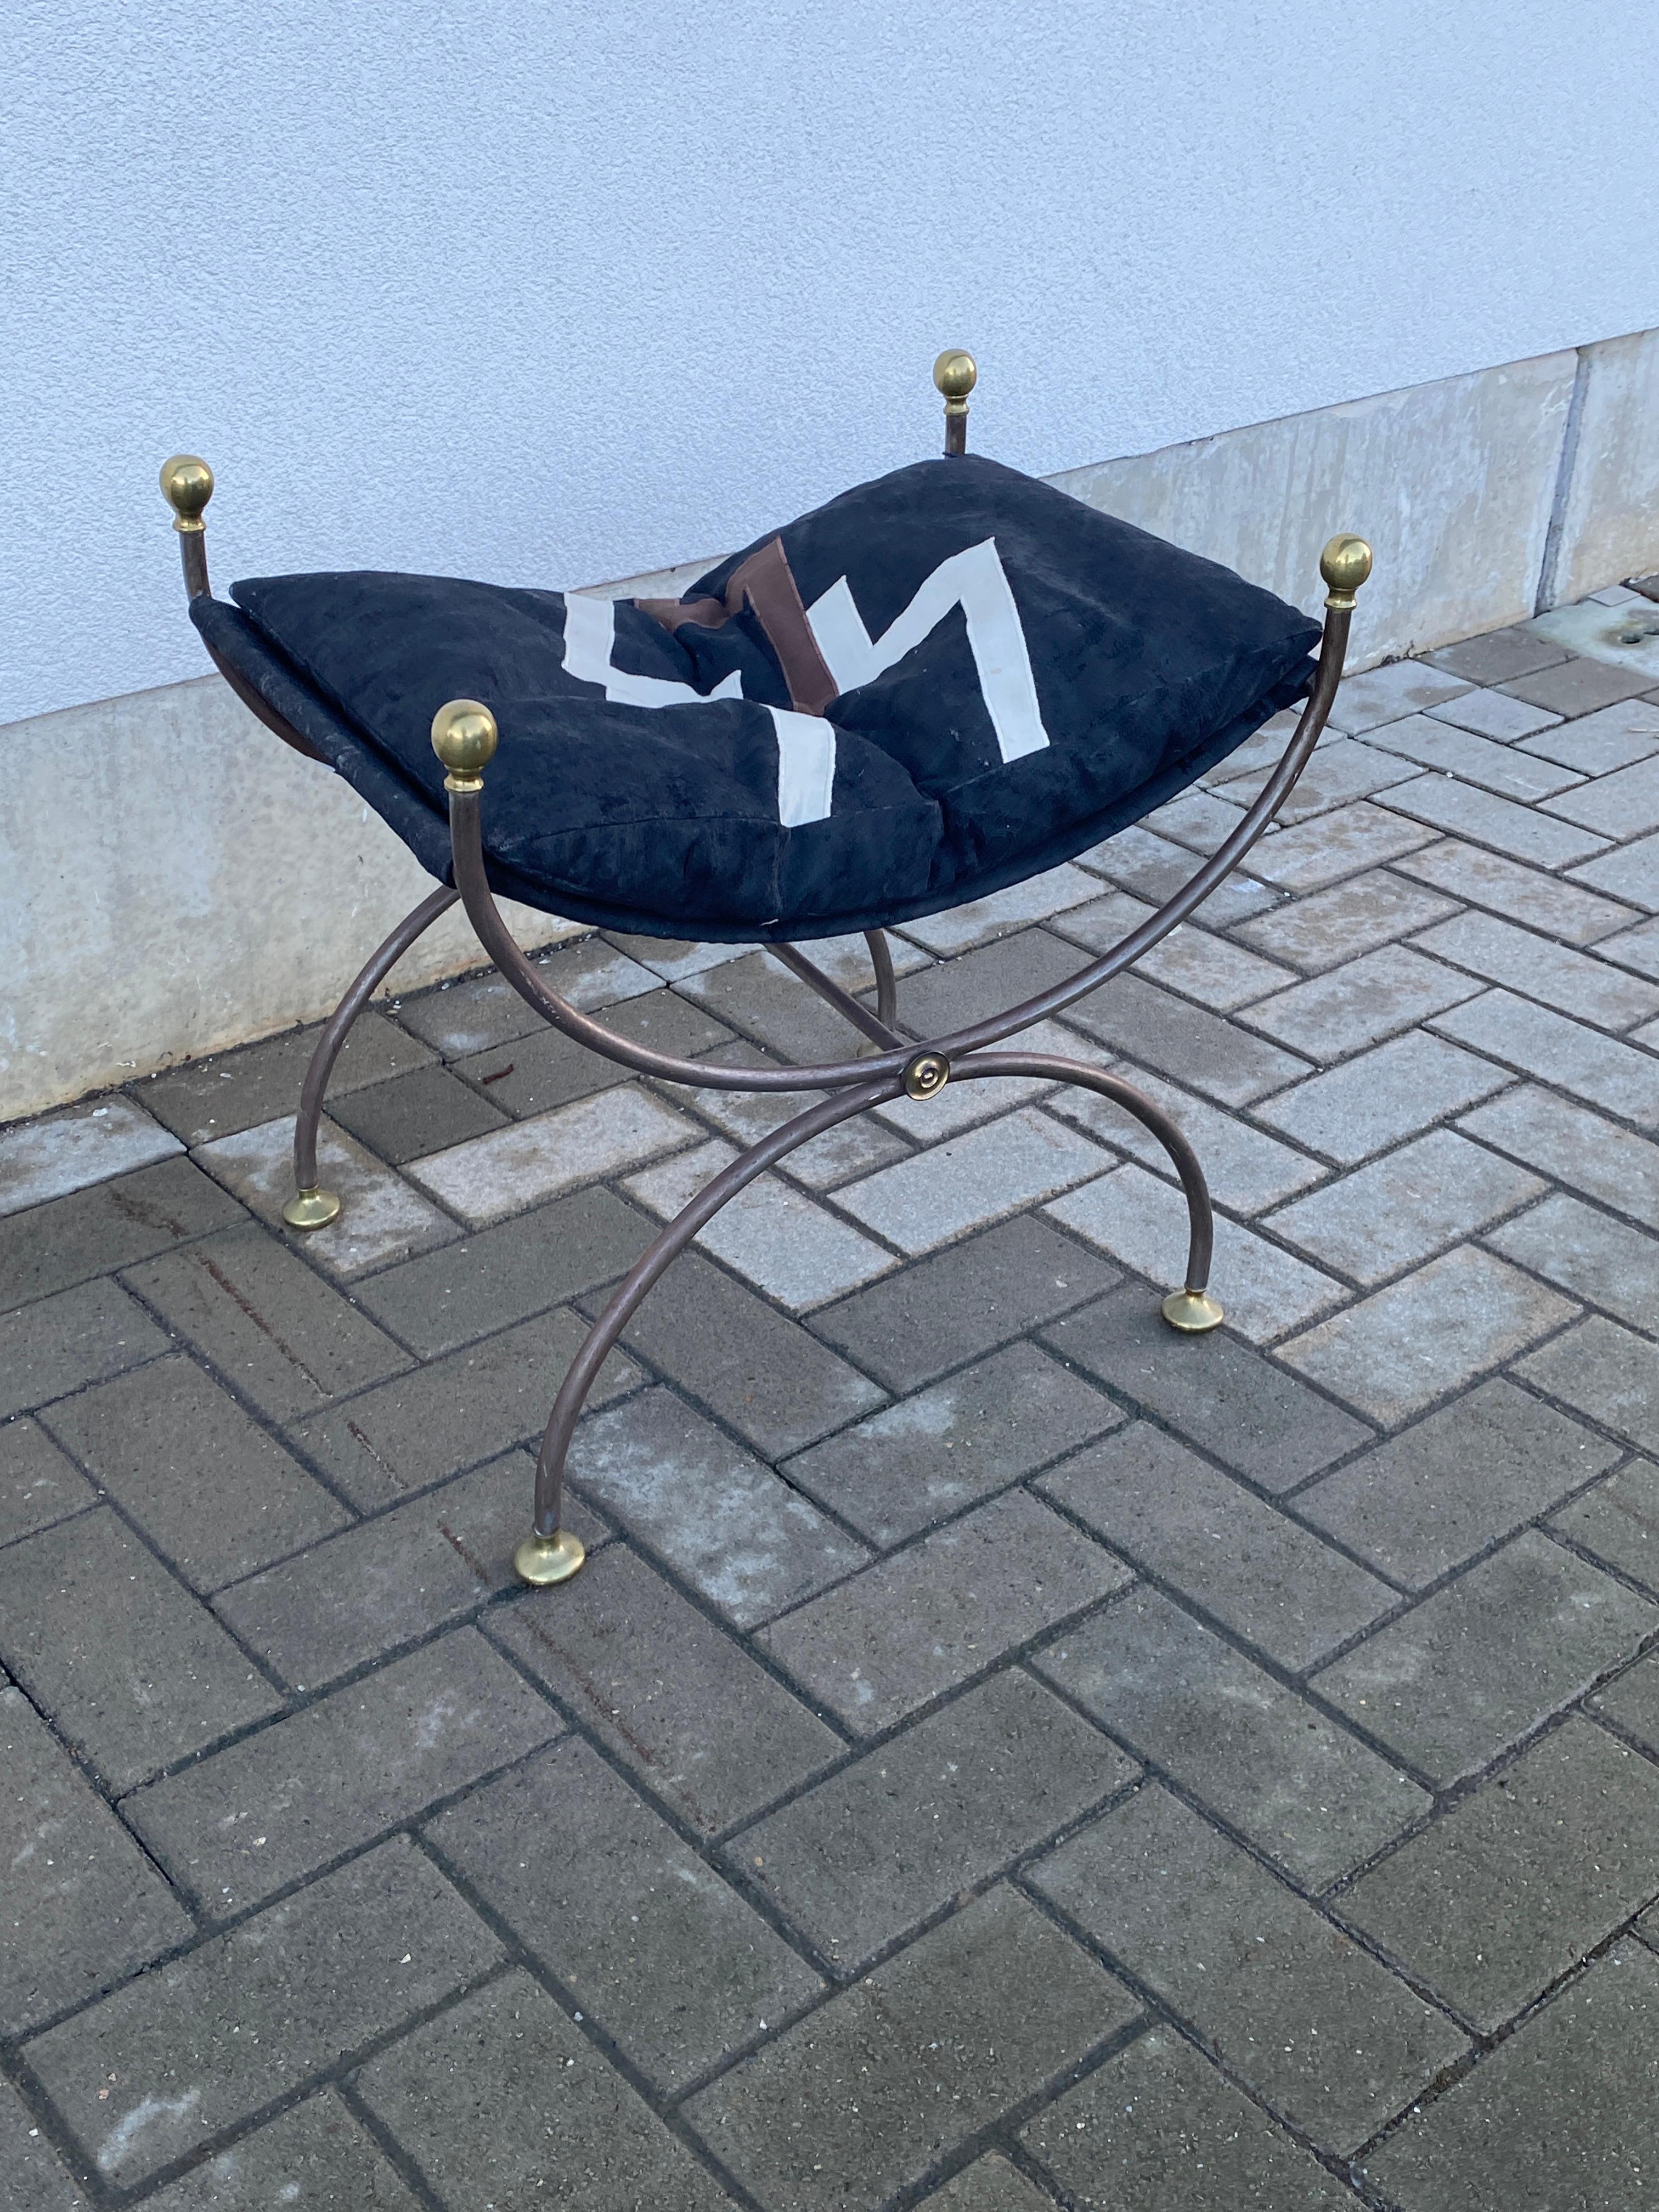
[{"x": 1051, "y": 674}]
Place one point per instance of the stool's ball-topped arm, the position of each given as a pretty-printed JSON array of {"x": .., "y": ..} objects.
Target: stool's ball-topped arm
[
  {"x": 465, "y": 737},
  {"x": 1345, "y": 565},
  {"x": 187, "y": 486},
  {"x": 955, "y": 374}
]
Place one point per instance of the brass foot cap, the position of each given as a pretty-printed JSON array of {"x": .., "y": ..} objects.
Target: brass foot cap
[
  {"x": 1191, "y": 1311},
  {"x": 542, "y": 1559},
  {"x": 311, "y": 1209}
]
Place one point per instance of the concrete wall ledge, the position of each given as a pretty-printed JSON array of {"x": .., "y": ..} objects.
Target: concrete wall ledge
[{"x": 177, "y": 881}]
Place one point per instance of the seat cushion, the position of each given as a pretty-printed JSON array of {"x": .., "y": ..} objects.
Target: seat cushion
[{"x": 934, "y": 686}]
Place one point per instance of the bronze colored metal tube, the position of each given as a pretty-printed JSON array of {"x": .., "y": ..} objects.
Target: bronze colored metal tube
[
  {"x": 672, "y": 1240},
  {"x": 338, "y": 1027},
  {"x": 881, "y": 959},
  {"x": 845, "y": 1004}
]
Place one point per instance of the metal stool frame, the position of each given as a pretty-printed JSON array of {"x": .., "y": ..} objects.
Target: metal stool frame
[{"x": 463, "y": 736}]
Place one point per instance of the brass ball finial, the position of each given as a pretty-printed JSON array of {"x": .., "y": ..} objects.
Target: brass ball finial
[
  {"x": 464, "y": 737},
  {"x": 955, "y": 374},
  {"x": 186, "y": 486},
  {"x": 1345, "y": 564}
]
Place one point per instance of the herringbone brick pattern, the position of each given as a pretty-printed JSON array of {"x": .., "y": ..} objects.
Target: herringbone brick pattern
[{"x": 1000, "y": 1755}]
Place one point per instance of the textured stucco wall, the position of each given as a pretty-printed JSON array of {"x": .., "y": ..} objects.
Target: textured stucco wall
[{"x": 552, "y": 294}]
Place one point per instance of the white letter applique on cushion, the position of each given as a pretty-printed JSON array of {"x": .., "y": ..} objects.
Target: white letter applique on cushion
[
  {"x": 974, "y": 580},
  {"x": 807, "y": 744}
]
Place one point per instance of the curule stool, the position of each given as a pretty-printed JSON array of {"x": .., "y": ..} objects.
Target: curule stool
[{"x": 750, "y": 765}]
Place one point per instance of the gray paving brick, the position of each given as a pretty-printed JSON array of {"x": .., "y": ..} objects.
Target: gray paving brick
[
  {"x": 1330, "y": 927},
  {"x": 1330, "y": 2039},
  {"x": 930, "y": 1455},
  {"x": 865, "y": 2095},
  {"x": 523, "y": 1163},
  {"x": 1341, "y": 769},
  {"x": 1307, "y": 1794},
  {"x": 112, "y": 1224},
  {"x": 387, "y": 1581},
  {"x": 84, "y": 1907},
  {"x": 134, "y": 1671},
  {"x": 318, "y": 2156},
  {"x": 419, "y": 1427},
  {"x": 1402, "y": 1209},
  {"x": 1248, "y": 1412},
  {"x": 1478, "y": 760},
  {"x": 752, "y": 1367},
  {"x": 1575, "y": 1146},
  {"x": 1607, "y": 1372},
  {"x": 1517, "y": 1883},
  {"x": 382, "y": 1217},
  {"x": 736, "y": 1532},
  {"x": 1577, "y": 686},
  {"x": 1143, "y": 1221},
  {"x": 1431, "y": 1331},
  {"x": 1535, "y": 1040},
  {"x": 1156, "y": 2127},
  {"x": 1476, "y": 1667},
  {"x": 1560, "y": 2115},
  {"x": 535, "y": 1073},
  {"x": 964, "y": 1301},
  {"x": 1500, "y": 656},
  {"x": 969, "y": 1180},
  {"x": 1371, "y": 1102},
  {"x": 1570, "y": 981},
  {"x": 668, "y": 1959},
  {"x": 45, "y": 1159},
  {"x": 499, "y": 1275},
  {"x": 37, "y": 1485},
  {"x": 1495, "y": 714},
  {"x": 1153, "y": 869},
  {"x": 1345, "y": 844},
  {"x": 36, "y": 2177},
  {"x": 213, "y": 1492},
  {"x": 855, "y": 1148},
  {"x": 501, "y": 2090},
  {"x": 1196, "y": 1047},
  {"x": 989, "y": 2184},
  {"x": 671, "y": 1696},
  {"x": 282, "y": 1337},
  {"x": 1462, "y": 809},
  {"x": 1487, "y": 879},
  {"x": 1632, "y": 1703},
  {"x": 1617, "y": 1522},
  {"x": 771, "y": 1232},
  {"x": 1597, "y": 744},
  {"x": 1386, "y": 694},
  {"x": 1195, "y": 817},
  {"x": 1331, "y": 1016},
  {"x": 1636, "y": 948},
  {"x": 1246, "y": 1169},
  {"x": 248, "y": 2017},
  {"x": 910, "y": 1627},
  {"x": 234, "y": 1091},
  {"x": 1239, "y": 1559},
  {"x": 416, "y": 1114},
  {"x": 237, "y": 1826},
  {"x": 862, "y": 1858},
  {"x": 1630, "y": 873},
  {"x": 1423, "y": 1503},
  {"x": 760, "y": 1001},
  {"x": 63, "y": 1343},
  {"x": 956, "y": 992}
]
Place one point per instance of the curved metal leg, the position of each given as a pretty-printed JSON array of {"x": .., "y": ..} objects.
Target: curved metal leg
[
  {"x": 1191, "y": 1309},
  {"x": 551, "y": 1554},
  {"x": 310, "y": 1207},
  {"x": 881, "y": 959}
]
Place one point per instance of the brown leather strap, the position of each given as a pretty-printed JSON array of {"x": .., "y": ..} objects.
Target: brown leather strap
[{"x": 767, "y": 581}]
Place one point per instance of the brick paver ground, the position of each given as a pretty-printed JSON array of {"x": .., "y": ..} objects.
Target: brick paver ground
[{"x": 1000, "y": 1755}]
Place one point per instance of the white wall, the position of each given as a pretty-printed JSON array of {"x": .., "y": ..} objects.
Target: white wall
[{"x": 557, "y": 292}]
